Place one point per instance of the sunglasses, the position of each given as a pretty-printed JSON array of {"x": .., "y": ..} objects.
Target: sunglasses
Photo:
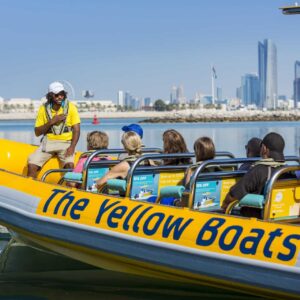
[{"x": 62, "y": 94}]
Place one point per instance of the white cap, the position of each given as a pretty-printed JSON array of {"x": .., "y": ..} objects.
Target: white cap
[{"x": 55, "y": 87}]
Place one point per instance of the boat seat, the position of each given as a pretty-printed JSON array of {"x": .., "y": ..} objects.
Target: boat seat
[
  {"x": 147, "y": 186},
  {"x": 116, "y": 185},
  {"x": 169, "y": 194},
  {"x": 73, "y": 177},
  {"x": 252, "y": 200}
]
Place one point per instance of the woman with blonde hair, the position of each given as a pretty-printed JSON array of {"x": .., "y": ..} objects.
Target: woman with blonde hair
[
  {"x": 133, "y": 145},
  {"x": 173, "y": 142}
]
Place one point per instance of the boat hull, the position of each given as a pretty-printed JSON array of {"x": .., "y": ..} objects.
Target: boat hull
[{"x": 149, "y": 239}]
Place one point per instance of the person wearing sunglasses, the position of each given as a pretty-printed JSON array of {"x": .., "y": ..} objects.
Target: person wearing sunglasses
[
  {"x": 58, "y": 123},
  {"x": 252, "y": 150}
]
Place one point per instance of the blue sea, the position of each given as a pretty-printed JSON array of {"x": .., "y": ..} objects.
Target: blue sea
[
  {"x": 100, "y": 284},
  {"x": 229, "y": 136}
]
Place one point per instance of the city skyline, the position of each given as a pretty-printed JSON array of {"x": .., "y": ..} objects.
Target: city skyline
[{"x": 141, "y": 47}]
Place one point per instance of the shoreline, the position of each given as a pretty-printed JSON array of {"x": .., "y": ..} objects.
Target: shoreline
[
  {"x": 87, "y": 115},
  {"x": 186, "y": 116}
]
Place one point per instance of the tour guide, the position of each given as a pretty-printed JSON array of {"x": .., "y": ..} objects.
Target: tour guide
[{"x": 59, "y": 123}]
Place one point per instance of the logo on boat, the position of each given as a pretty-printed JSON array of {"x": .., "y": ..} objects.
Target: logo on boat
[
  {"x": 233, "y": 236},
  {"x": 278, "y": 197}
]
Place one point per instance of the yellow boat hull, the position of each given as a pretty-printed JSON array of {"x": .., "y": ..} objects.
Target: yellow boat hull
[{"x": 149, "y": 239}]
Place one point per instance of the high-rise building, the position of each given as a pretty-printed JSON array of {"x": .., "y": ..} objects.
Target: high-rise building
[
  {"x": 147, "y": 101},
  {"x": 297, "y": 84},
  {"x": 127, "y": 99},
  {"x": 179, "y": 95},
  {"x": 267, "y": 73},
  {"x": 120, "y": 98},
  {"x": 173, "y": 98},
  {"x": 219, "y": 94},
  {"x": 250, "y": 89},
  {"x": 238, "y": 93},
  {"x": 135, "y": 103}
]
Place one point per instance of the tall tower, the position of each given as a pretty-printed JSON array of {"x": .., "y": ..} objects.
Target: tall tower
[
  {"x": 267, "y": 72},
  {"x": 173, "y": 98},
  {"x": 121, "y": 98},
  {"x": 297, "y": 84},
  {"x": 180, "y": 95},
  {"x": 250, "y": 89}
]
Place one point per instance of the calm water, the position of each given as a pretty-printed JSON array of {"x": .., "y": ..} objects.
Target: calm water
[
  {"x": 227, "y": 136},
  {"x": 107, "y": 285}
]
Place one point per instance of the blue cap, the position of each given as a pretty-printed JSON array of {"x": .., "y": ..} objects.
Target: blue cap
[{"x": 135, "y": 128}]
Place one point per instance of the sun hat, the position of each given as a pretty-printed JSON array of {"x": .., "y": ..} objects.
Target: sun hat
[
  {"x": 135, "y": 128},
  {"x": 55, "y": 87},
  {"x": 275, "y": 143}
]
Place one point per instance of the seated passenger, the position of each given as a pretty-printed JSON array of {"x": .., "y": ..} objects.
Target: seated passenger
[
  {"x": 204, "y": 150},
  {"x": 132, "y": 144},
  {"x": 134, "y": 128},
  {"x": 253, "y": 182},
  {"x": 96, "y": 140},
  {"x": 174, "y": 143},
  {"x": 252, "y": 150}
]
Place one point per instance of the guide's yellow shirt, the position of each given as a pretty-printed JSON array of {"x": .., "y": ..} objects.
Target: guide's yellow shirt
[{"x": 72, "y": 119}]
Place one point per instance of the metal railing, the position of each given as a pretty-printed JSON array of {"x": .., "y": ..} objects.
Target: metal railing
[
  {"x": 270, "y": 185},
  {"x": 198, "y": 173},
  {"x": 113, "y": 162}
]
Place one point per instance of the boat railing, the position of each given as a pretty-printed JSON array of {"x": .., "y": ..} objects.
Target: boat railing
[
  {"x": 199, "y": 172},
  {"x": 270, "y": 186},
  {"x": 159, "y": 157},
  {"x": 51, "y": 171},
  {"x": 108, "y": 152}
]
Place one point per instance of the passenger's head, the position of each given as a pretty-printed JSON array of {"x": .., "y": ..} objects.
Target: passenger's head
[
  {"x": 174, "y": 142},
  {"x": 253, "y": 147},
  {"x": 97, "y": 140},
  {"x": 272, "y": 146},
  {"x": 132, "y": 143},
  {"x": 56, "y": 92},
  {"x": 135, "y": 128},
  {"x": 204, "y": 149}
]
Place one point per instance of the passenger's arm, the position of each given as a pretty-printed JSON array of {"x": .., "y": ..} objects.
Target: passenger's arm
[
  {"x": 187, "y": 177},
  {"x": 228, "y": 199},
  {"x": 119, "y": 170}
]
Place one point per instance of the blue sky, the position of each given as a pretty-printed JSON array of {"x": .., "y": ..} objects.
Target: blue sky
[{"x": 141, "y": 46}]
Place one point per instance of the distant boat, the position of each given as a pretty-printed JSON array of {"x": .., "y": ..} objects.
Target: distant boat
[
  {"x": 95, "y": 120},
  {"x": 291, "y": 9}
]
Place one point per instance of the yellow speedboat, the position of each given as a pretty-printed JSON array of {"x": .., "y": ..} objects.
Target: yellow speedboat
[{"x": 127, "y": 234}]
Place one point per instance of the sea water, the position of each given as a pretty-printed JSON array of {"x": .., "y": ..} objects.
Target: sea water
[{"x": 227, "y": 136}]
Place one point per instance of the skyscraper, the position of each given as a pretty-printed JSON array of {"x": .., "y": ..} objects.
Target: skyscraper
[
  {"x": 180, "y": 95},
  {"x": 127, "y": 99},
  {"x": 147, "y": 101},
  {"x": 173, "y": 98},
  {"x": 250, "y": 89},
  {"x": 219, "y": 94},
  {"x": 267, "y": 73},
  {"x": 297, "y": 84},
  {"x": 121, "y": 98}
]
